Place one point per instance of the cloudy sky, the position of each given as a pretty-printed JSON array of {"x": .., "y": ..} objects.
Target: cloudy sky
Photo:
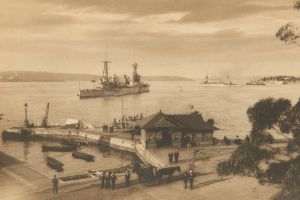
[{"x": 189, "y": 38}]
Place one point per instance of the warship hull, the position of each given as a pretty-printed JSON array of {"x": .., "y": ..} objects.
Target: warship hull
[{"x": 90, "y": 93}]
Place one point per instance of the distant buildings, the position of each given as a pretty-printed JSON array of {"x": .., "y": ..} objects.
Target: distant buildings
[{"x": 161, "y": 129}]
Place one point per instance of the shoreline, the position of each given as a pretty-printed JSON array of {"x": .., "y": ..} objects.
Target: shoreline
[{"x": 205, "y": 164}]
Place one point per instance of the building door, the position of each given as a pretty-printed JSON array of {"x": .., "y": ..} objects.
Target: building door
[
  {"x": 185, "y": 140},
  {"x": 166, "y": 139}
]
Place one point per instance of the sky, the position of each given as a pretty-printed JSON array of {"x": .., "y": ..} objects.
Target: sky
[{"x": 188, "y": 38}]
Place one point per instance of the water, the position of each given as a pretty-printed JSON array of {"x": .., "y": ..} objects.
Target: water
[
  {"x": 226, "y": 105},
  {"x": 31, "y": 153}
]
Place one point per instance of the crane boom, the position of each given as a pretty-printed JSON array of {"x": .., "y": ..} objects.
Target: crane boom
[{"x": 45, "y": 118}]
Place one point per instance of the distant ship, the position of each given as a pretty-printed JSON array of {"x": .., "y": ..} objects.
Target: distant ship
[
  {"x": 214, "y": 82},
  {"x": 258, "y": 82},
  {"x": 116, "y": 86}
]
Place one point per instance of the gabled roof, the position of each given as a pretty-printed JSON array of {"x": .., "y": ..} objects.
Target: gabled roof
[
  {"x": 192, "y": 122},
  {"x": 150, "y": 122}
]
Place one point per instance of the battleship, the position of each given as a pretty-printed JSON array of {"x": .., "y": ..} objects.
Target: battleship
[{"x": 116, "y": 86}]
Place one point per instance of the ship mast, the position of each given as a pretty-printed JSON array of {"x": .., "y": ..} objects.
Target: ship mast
[{"x": 105, "y": 68}]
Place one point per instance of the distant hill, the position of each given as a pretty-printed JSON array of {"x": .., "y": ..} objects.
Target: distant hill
[
  {"x": 165, "y": 78},
  {"x": 33, "y": 76},
  {"x": 281, "y": 78}
]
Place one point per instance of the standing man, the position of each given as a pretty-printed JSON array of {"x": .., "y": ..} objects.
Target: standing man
[
  {"x": 127, "y": 178},
  {"x": 185, "y": 179},
  {"x": 113, "y": 178},
  {"x": 102, "y": 179},
  {"x": 191, "y": 177},
  {"x": 107, "y": 180},
  {"x": 55, "y": 185},
  {"x": 176, "y": 155},
  {"x": 170, "y": 157}
]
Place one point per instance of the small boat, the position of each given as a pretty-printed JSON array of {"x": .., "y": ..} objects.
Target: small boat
[
  {"x": 61, "y": 148},
  {"x": 84, "y": 156},
  {"x": 55, "y": 164}
]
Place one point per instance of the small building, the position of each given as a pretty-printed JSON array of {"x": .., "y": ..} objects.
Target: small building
[{"x": 161, "y": 129}]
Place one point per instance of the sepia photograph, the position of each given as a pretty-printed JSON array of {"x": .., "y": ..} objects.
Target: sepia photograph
[{"x": 149, "y": 100}]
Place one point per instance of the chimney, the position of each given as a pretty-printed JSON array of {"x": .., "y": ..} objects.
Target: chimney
[{"x": 210, "y": 122}]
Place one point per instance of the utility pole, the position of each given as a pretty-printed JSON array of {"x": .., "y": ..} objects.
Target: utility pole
[
  {"x": 147, "y": 111},
  {"x": 26, "y": 120},
  {"x": 122, "y": 154},
  {"x": 122, "y": 112}
]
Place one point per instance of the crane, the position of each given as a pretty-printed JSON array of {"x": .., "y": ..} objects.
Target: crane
[{"x": 45, "y": 118}]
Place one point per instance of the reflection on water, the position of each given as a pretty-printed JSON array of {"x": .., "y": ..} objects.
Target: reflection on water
[
  {"x": 105, "y": 150},
  {"x": 27, "y": 145}
]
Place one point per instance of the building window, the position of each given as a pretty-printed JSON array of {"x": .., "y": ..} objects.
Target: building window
[
  {"x": 150, "y": 139},
  {"x": 176, "y": 138}
]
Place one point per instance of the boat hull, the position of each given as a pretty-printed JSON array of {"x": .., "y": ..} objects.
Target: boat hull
[
  {"x": 83, "y": 156},
  {"x": 55, "y": 164},
  {"x": 113, "y": 92}
]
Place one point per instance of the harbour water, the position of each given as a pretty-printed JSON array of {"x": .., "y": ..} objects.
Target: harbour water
[{"x": 226, "y": 105}]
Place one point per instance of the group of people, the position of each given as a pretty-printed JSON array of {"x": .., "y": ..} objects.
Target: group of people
[
  {"x": 188, "y": 177},
  {"x": 175, "y": 155},
  {"x": 108, "y": 179},
  {"x": 135, "y": 117}
]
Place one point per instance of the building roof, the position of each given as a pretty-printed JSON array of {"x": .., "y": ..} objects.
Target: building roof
[{"x": 190, "y": 122}]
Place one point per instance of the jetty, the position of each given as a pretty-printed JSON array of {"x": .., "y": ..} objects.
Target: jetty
[
  {"x": 188, "y": 134},
  {"x": 203, "y": 160}
]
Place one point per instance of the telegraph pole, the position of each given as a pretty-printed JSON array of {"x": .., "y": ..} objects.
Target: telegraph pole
[{"x": 122, "y": 117}]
